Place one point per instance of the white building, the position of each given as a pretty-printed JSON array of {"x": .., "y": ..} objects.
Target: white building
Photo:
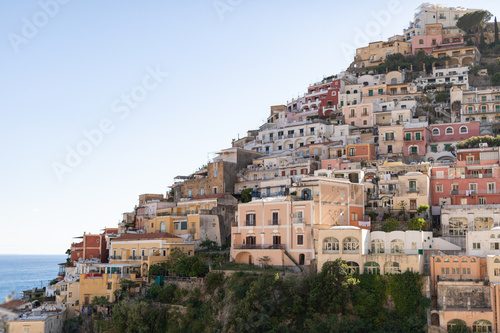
[
  {"x": 275, "y": 138},
  {"x": 483, "y": 243},
  {"x": 458, "y": 76},
  {"x": 429, "y": 14}
]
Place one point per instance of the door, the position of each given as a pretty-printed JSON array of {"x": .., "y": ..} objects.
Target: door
[{"x": 302, "y": 259}]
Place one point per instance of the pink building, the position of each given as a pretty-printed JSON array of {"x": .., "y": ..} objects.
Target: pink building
[
  {"x": 452, "y": 132},
  {"x": 443, "y": 138},
  {"x": 415, "y": 136},
  {"x": 472, "y": 180},
  {"x": 434, "y": 36}
]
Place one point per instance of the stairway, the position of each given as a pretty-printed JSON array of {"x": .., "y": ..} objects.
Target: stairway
[{"x": 293, "y": 260}]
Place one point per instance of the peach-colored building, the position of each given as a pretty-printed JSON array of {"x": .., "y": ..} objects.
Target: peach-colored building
[
  {"x": 279, "y": 230},
  {"x": 359, "y": 115},
  {"x": 462, "y": 295}
]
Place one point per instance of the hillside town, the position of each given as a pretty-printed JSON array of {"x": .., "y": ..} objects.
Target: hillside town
[{"x": 392, "y": 165}]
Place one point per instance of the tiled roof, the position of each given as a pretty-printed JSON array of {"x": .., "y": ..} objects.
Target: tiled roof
[
  {"x": 154, "y": 235},
  {"x": 14, "y": 304}
]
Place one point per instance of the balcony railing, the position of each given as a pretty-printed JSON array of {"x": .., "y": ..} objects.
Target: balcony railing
[
  {"x": 412, "y": 190},
  {"x": 115, "y": 257},
  {"x": 259, "y": 246},
  {"x": 473, "y": 192}
]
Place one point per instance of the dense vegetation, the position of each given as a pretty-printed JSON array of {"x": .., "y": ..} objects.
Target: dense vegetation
[
  {"x": 474, "y": 142},
  {"x": 331, "y": 301}
]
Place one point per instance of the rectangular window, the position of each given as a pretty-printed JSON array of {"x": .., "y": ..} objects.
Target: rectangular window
[
  {"x": 434, "y": 148},
  {"x": 352, "y": 151},
  {"x": 494, "y": 246},
  {"x": 381, "y": 91},
  {"x": 389, "y": 136},
  {"x": 300, "y": 239},
  {"x": 491, "y": 188},
  {"x": 250, "y": 219},
  {"x": 407, "y": 136},
  {"x": 476, "y": 246},
  {"x": 370, "y": 92},
  {"x": 418, "y": 136},
  {"x": 412, "y": 185},
  {"x": 482, "y": 201},
  {"x": 276, "y": 220},
  {"x": 439, "y": 188}
]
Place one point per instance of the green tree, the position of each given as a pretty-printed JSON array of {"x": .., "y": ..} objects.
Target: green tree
[
  {"x": 139, "y": 317},
  {"x": 331, "y": 289},
  {"x": 246, "y": 195},
  {"x": 474, "y": 23},
  {"x": 422, "y": 209},
  {"x": 495, "y": 79},
  {"x": 417, "y": 223},
  {"x": 390, "y": 224}
]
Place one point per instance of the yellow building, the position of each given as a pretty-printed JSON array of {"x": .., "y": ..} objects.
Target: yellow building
[
  {"x": 375, "y": 53},
  {"x": 146, "y": 249},
  {"x": 67, "y": 294},
  {"x": 176, "y": 225},
  {"x": 39, "y": 320},
  {"x": 104, "y": 280},
  {"x": 460, "y": 55}
]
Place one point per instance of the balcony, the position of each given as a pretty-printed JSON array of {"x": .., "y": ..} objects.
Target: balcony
[
  {"x": 115, "y": 257},
  {"x": 412, "y": 190},
  {"x": 258, "y": 246},
  {"x": 134, "y": 257}
]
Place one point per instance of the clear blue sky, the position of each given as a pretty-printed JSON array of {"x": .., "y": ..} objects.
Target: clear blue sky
[{"x": 65, "y": 70}]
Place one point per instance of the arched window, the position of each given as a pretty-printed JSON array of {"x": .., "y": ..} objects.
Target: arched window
[
  {"x": 464, "y": 259},
  {"x": 464, "y": 130},
  {"x": 350, "y": 245},
  {"x": 436, "y": 131},
  {"x": 306, "y": 194},
  {"x": 331, "y": 245},
  {"x": 397, "y": 246},
  {"x": 392, "y": 267},
  {"x": 348, "y": 92},
  {"x": 496, "y": 261},
  {"x": 449, "y": 130},
  {"x": 454, "y": 323},
  {"x": 372, "y": 267},
  {"x": 482, "y": 326},
  {"x": 377, "y": 246},
  {"x": 437, "y": 259},
  {"x": 352, "y": 267},
  {"x": 355, "y": 91}
]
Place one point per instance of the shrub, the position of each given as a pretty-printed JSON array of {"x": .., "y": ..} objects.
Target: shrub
[
  {"x": 390, "y": 224},
  {"x": 417, "y": 223}
]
